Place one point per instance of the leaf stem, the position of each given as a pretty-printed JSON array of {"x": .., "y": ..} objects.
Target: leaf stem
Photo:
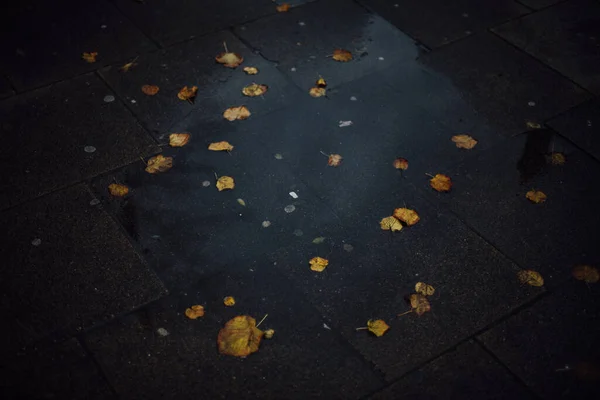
[
  {"x": 225, "y": 46},
  {"x": 362, "y": 328},
  {"x": 261, "y": 321},
  {"x": 404, "y": 313}
]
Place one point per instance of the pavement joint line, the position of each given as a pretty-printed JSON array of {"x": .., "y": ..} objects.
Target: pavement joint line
[
  {"x": 139, "y": 28},
  {"x": 97, "y": 364}
]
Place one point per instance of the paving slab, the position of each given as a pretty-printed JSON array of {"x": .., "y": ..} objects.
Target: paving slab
[
  {"x": 437, "y": 22},
  {"x": 69, "y": 256},
  {"x": 372, "y": 280},
  {"x": 5, "y": 88},
  {"x": 504, "y": 84},
  {"x": 193, "y": 64},
  {"x": 466, "y": 372},
  {"x": 190, "y": 230},
  {"x": 32, "y": 60},
  {"x": 581, "y": 126},
  {"x": 60, "y": 371},
  {"x": 552, "y": 345},
  {"x": 168, "y": 23},
  {"x": 157, "y": 353},
  {"x": 63, "y": 134},
  {"x": 565, "y": 37},
  {"x": 302, "y": 42},
  {"x": 489, "y": 194},
  {"x": 538, "y": 4}
]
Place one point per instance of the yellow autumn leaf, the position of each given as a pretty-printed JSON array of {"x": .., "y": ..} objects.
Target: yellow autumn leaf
[
  {"x": 254, "y": 90},
  {"x": 188, "y": 94},
  {"x": 128, "y": 66},
  {"x": 401, "y": 163},
  {"x": 225, "y": 182},
  {"x": 229, "y": 60},
  {"x": 240, "y": 337},
  {"x": 234, "y": 113},
  {"x": 220, "y": 146},
  {"x": 533, "y": 125},
  {"x": 229, "y": 301},
  {"x": 334, "y": 160},
  {"x": 378, "y": 327},
  {"x": 90, "y": 57},
  {"x": 419, "y": 304},
  {"x": 464, "y": 141},
  {"x": 342, "y": 55},
  {"x": 408, "y": 216},
  {"x": 441, "y": 183},
  {"x": 118, "y": 190},
  {"x": 317, "y": 92},
  {"x": 586, "y": 273},
  {"x": 424, "y": 289},
  {"x": 241, "y": 202},
  {"x": 390, "y": 224},
  {"x": 269, "y": 333},
  {"x": 557, "y": 158},
  {"x": 536, "y": 196},
  {"x": 283, "y": 8},
  {"x": 321, "y": 83},
  {"x": 194, "y": 312},
  {"x": 158, "y": 164},
  {"x": 318, "y": 264},
  {"x": 179, "y": 139},
  {"x": 530, "y": 277},
  {"x": 251, "y": 70}
]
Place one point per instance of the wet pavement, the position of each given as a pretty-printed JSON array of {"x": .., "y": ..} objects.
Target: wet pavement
[{"x": 95, "y": 287}]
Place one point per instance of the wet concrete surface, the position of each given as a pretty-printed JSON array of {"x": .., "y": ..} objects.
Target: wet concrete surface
[{"x": 113, "y": 275}]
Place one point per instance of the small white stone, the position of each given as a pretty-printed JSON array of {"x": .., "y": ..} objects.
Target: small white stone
[
  {"x": 162, "y": 331},
  {"x": 348, "y": 247},
  {"x": 206, "y": 183},
  {"x": 301, "y": 23},
  {"x": 353, "y": 98},
  {"x": 89, "y": 149},
  {"x": 289, "y": 208},
  {"x": 36, "y": 241},
  {"x": 266, "y": 224},
  {"x": 133, "y": 101},
  {"x": 294, "y": 195},
  {"x": 381, "y": 58},
  {"x": 465, "y": 15},
  {"x": 109, "y": 98},
  {"x": 326, "y": 327},
  {"x": 278, "y": 156},
  {"x": 531, "y": 104},
  {"x": 345, "y": 123},
  {"x": 94, "y": 202},
  {"x": 298, "y": 232},
  {"x": 102, "y": 26},
  {"x": 293, "y": 69}
]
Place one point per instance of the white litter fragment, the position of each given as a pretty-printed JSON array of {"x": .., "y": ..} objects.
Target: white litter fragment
[
  {"x": 326, "y": 327},
  {"x": 162, "y": 331},
  {"x": 133, "y": 101},
  {"x": 289, "y": 208},
  {"x": 89, "y": 149},
  {"x": 294, "y": 195},
  {"x": 109, "y": 98},
  {"x": 266, "y": 224},
  {"x": 206, "y": 183},
  {"x": 345, "y": 123},
  {"x": 36, "y": 241},
  {"x": 94, "y": 202}
]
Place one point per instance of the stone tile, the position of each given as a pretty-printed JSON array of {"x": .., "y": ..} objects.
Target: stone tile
[
  {"x": 62, "y": 371},
  {"x": 538, "y": 4},
  {"x": 45, "y": 134},
  {"x": 581, "y": 126},
  {"x": 373, "y": 280},
  {"x": 302, "y": 41},
  {"x": 489, "y": 194},
  {"x": 31, "y": 60},
  {"x": 466, "y": 372},
  {"x": 303, "y": 360},
  {"x": 436, "y": 22},
  {"x": 5, "y": 88},
  {"x": 193, "y": 64},
  {"x": 503, "y": 83},
  {"x": 565, "y": 37},
  {"x": 189, "y": 231},
  {"x": 168, "y": 22},
  {"x": 552, "y": 345},
  {"x": 68, "y": 267}
]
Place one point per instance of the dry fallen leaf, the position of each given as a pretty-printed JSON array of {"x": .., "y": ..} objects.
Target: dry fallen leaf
[
  {"x": 318, "y": 264},
  {"x": 317, "y": 92},
  {"x": 530, "y": 277},
  {"x": 241, "y": 202},
  {"x": 378, "y": 327},
  {"x": 90, "y": 57},
  {"x": 419, "y": 304},
  {"x": 321, "y": 83},
  {"x": 128, "y": 66},
  {"x": 424, "y": 289},
  {"x": 225, "y": 182},
  {"x": 158, "y": 164},
  {"x": 188, "y": 94},
  {"x": 269, "y": 333},
  {"x": 401, "y": 163},
  {"x": 557, "y": 158},
  {"x": 233, "y": 113},
  {"x": 118, "y": 190},
  {"x": 220, "y": 146},
  {"x": 342, "y": 55},
  {"x": 318, "y": 240},
  {"x": 586, "y": 273},
  {"x": 194, "y": 312},
  {"x": 536, "y": 196},
  {"x": 464, "y": 141},
  {"x": 334, "y": 160},
  {"x": 533, "y": 125},
  {"x": 283, "y": 8},
  {"x": 240, "y": 337},
  {"x": 229, "y": 60},
  {"x": 441, "y": 183},
  {"x": 390, "y": 224},
  {"x": 179, "y": 139},
  {"x": 229, "y": 301},
  {"x": 251, "y": 70},
  {"x": 408, "y": 216},
  {"x": 254, "y": 90},
  {"x": 150, "y": 90}
]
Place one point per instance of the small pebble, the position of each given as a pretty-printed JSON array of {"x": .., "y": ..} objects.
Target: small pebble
[
  {"x": 298, "y": 232},
  {"x": 531, "y": 104},
  {"x": 36, "y": 241},
  {"x": 326, "y": 327},
  {"x": 206, "y": 183},
  {"x": 109, "y": 98},
  {"x": 589, "y": 123},
  {"x": 353, "y": 98},
  {"x": 294, "y": 195},
  {"x": 133, "y": 101},
  {"x": 89, "y": 149},
  {"x": 94, "y": 202},
  {"x": 278, "y": 156},
  {"x": 293, "y": 69},
  {"x": 396, "y": 5},
  {"x": 290, "y": 208},
  {"x": 266, "y": 224},
  {"x": 465, "y": 15},
  {"x": 301, "y": 23},
  {"x": 381, "y": 58},
  {"x": 102, "y": 26},
  {"x": 348, "y": 247},
  {"x": 162, "y": 331}
]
